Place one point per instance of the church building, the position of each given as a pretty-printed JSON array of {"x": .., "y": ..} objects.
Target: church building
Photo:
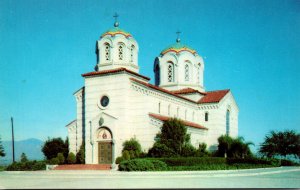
[{"x": 117, "y": 103}]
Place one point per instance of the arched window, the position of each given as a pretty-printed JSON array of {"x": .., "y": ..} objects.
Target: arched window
[
  {"x": 159, "y": 107},
  {"x": 169, "y": 109},
  {"x": 177, "y": 111},
  {"x": 185, "y": 114},
  {"x": 227, "y": 122},
  {"x": 206, "y": 116},
  {"x": 170, "y": 72},
  {"x": 107, "y": 52},
  {"x": 132, "y": 53},
  {"x": 121, "y": 51},
  {"x": 186, "y": 72}
]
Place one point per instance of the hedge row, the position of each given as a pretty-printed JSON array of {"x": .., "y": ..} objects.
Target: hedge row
[
  {"x": 142, "y": 165},
  {"x": 192, "y": 161},
  {"x": 27, "y": 166},
  {"x": 217, "y": 167}
]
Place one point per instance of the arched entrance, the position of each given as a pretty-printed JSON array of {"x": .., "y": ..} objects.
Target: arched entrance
[{"x": 105, "y": 146}]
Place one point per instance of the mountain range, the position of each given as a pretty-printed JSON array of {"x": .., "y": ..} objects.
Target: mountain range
[{"x": 31, "y": 147}]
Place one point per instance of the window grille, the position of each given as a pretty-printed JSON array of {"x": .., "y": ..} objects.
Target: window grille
[
  {"x": 107, "y": 52},
  {"x": 120, "y": 52},
  {"x": 187, "y": 72},
  {"x": 170, "y": 73}
]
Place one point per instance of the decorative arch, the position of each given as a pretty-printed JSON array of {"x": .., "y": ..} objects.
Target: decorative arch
[{"x": 104, "y": 134}]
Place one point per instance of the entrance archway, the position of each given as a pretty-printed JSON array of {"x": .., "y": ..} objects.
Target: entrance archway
[{"x": 105, "y": 146}]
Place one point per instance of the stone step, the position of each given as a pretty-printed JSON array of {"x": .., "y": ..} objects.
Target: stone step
[{"x": 83, "y": 167}]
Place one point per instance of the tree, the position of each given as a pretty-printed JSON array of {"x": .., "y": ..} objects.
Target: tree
[
  {"x": 71, "y": 158},
  {"x": 80, "y": 156},
  {"x": 233, "y": 147},
  {"x": 23, "y": 157},
  {"x": 224, "y": 146},
  {"x": 2, "y": 152},
  {"x": 133, "y": 147},
  {"x": 173, "y": 135},
  {"x": 54, "y": 146},
  {"x": 61, "y": 158},
  {"x": 281, "y": 144}
]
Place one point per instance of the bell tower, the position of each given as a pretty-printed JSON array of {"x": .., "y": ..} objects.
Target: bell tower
[{"x": 116, "y": 48}]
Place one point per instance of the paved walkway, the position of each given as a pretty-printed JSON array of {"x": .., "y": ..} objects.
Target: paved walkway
[{"x": 283, "y": 177}]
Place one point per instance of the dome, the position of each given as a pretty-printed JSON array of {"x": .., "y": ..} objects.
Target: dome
[
  {"x": 114, "y": 31},
  {"x": 177, "y": 48}
]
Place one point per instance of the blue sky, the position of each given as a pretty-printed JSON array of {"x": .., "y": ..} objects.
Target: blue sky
[{"x": 249, "y": 46}]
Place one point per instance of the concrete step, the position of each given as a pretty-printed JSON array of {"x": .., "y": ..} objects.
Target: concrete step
[{"x": 83, "y": 167}]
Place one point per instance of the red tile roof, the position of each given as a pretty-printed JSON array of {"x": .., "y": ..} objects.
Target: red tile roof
[
  {"x": 186, "y": 123},
  {"x": 121, "y": 69},
  {"x": 187, "y": 91},
  {"x": 209, "y": 97},
  {"x": 213, "y": 96},
  {"x": 161, "y": 89}
]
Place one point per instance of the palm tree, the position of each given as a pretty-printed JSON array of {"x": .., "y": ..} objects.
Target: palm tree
[{"x": 281, "y": 144}]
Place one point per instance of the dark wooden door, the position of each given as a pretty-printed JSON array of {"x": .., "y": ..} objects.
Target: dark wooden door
[{"x": 105, "y": 152}]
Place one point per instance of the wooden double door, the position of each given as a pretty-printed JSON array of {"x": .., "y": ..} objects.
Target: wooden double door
[{"x": 104, "y": 152}]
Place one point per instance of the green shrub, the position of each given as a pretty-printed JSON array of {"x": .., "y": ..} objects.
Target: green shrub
[
  {"x": 119, "y": 160},
  {"x": 71, "y": 158},
  {"x": 61, "y": 158},
  {"x": 133, "y": 154},
  {"x": 27, "y": 166},
  {"x": 161, "y": 150},
  {"x": 54, "y": 161},
  {"x": 24, "y": 157},
  {"x": 132, "y": 145},
  {"x": 159, "y": 165},
  {"x": 126, "y": 155},
  {"x": 285, "y": 162},
  {"x": 142, "y": 165},
  {"x": 188, "y": 150}
]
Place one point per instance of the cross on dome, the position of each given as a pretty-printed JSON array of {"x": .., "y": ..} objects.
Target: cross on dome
[
  {"x": 116, "y": 24},
  {"x": 178, "y": 35}
]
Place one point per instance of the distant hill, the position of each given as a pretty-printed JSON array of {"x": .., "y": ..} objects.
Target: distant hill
[{"x": 31, "y": 147}]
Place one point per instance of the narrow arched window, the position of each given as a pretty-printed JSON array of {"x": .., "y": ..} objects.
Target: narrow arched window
[
  {"x": 157, "y": 75},
  {"x": 121, "y": 51},
  {"x": 132, "y": 53},
  {"x": 185, "y": 114},
  {"x": 227, "y": 122},
  {"x": 170, "y": 72},
  {"x": 169, "y": 109},
  {"x": 177, "y": 111},
  {"x": 107, "y": 52},
  {"x": 186, "y": 72},
  {"x": 193, "y": 116},
  {"x": 198, "y": 73},
  {"x": 206, "y": 116}
]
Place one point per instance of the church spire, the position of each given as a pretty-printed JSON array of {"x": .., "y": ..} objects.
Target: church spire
[{"x": 116, "y": 24}]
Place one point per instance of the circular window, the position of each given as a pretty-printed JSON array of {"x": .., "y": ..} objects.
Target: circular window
[{"x": 104, "y": 101}]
